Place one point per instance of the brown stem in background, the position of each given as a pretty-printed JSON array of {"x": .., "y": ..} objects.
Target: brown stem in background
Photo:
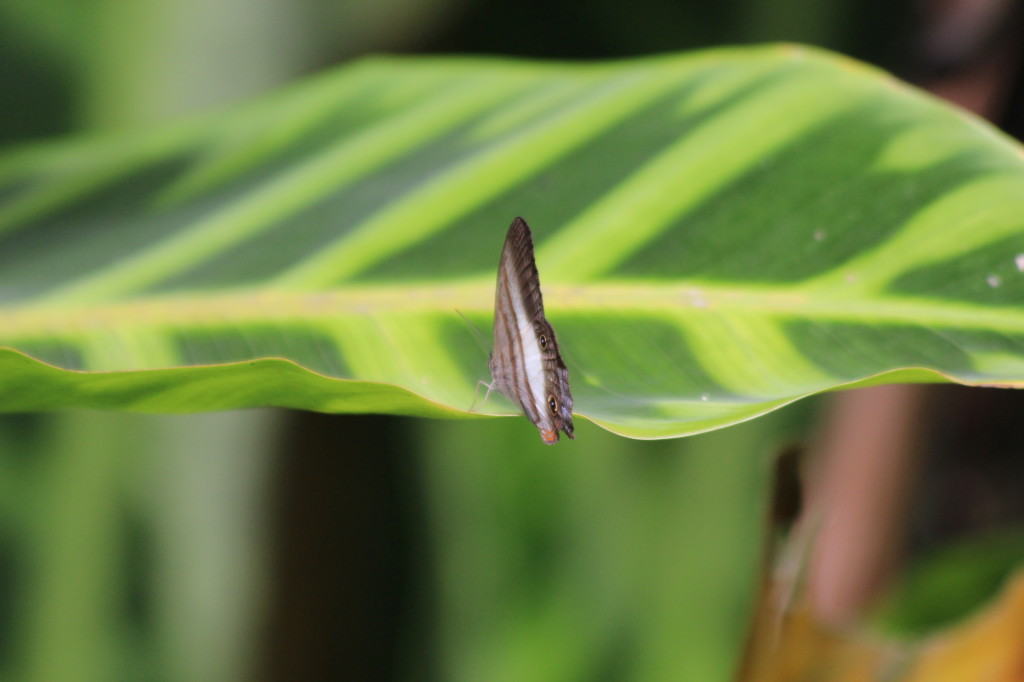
[
  {"x": 971, "y": 50},
  {"x": 858, "y": 498}
]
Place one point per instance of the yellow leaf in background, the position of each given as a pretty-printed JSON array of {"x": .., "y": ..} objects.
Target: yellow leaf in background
[
  {"x": 794, "y": 647},
  {"x": 986, "y": 648}
]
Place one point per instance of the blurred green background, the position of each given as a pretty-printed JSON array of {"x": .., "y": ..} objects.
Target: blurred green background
[{"x": 267, "y": 545}]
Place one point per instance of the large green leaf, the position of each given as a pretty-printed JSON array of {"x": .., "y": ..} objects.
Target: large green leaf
[{"x": 718, "y": 234}]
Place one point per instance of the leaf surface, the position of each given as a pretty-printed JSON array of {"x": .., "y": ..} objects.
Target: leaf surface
[{"x": 718, "y": 234}]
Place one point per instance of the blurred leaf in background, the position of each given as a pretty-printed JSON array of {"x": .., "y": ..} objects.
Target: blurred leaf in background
[{"x": 605, "y": 560}]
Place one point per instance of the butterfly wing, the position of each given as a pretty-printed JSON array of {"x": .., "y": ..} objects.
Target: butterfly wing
[{"x": 525, "y": 363}]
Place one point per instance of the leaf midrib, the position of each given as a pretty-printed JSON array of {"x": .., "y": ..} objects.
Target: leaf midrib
[{"x": 682, "y": 299}]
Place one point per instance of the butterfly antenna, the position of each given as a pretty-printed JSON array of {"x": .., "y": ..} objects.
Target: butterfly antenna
[
  {"x": 479, "y": 334},
  {"x": 483, "y": 346}
]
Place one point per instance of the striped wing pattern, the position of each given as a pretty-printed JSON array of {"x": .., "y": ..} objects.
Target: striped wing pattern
[{"x": 525, "y": 364}]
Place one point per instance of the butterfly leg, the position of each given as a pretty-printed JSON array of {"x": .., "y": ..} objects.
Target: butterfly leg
[{"x": 490, "y": 387}]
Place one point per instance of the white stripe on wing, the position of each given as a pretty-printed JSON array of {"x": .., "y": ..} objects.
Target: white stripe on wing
[{"x": 532, "y": 359}]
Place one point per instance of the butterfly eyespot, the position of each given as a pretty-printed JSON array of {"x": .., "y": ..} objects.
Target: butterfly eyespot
[
  {"x": 552, "y": 404},
  {"x": 543, "y": 342}
]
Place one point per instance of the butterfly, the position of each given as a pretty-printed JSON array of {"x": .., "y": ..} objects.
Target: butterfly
[{"x": 525, "y": 363}]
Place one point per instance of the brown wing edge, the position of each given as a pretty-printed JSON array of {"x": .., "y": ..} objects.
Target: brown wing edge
[{"x": 519, "y": 251}]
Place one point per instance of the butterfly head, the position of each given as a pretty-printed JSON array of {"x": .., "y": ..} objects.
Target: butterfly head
[{"x": 557, "y": 410}]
